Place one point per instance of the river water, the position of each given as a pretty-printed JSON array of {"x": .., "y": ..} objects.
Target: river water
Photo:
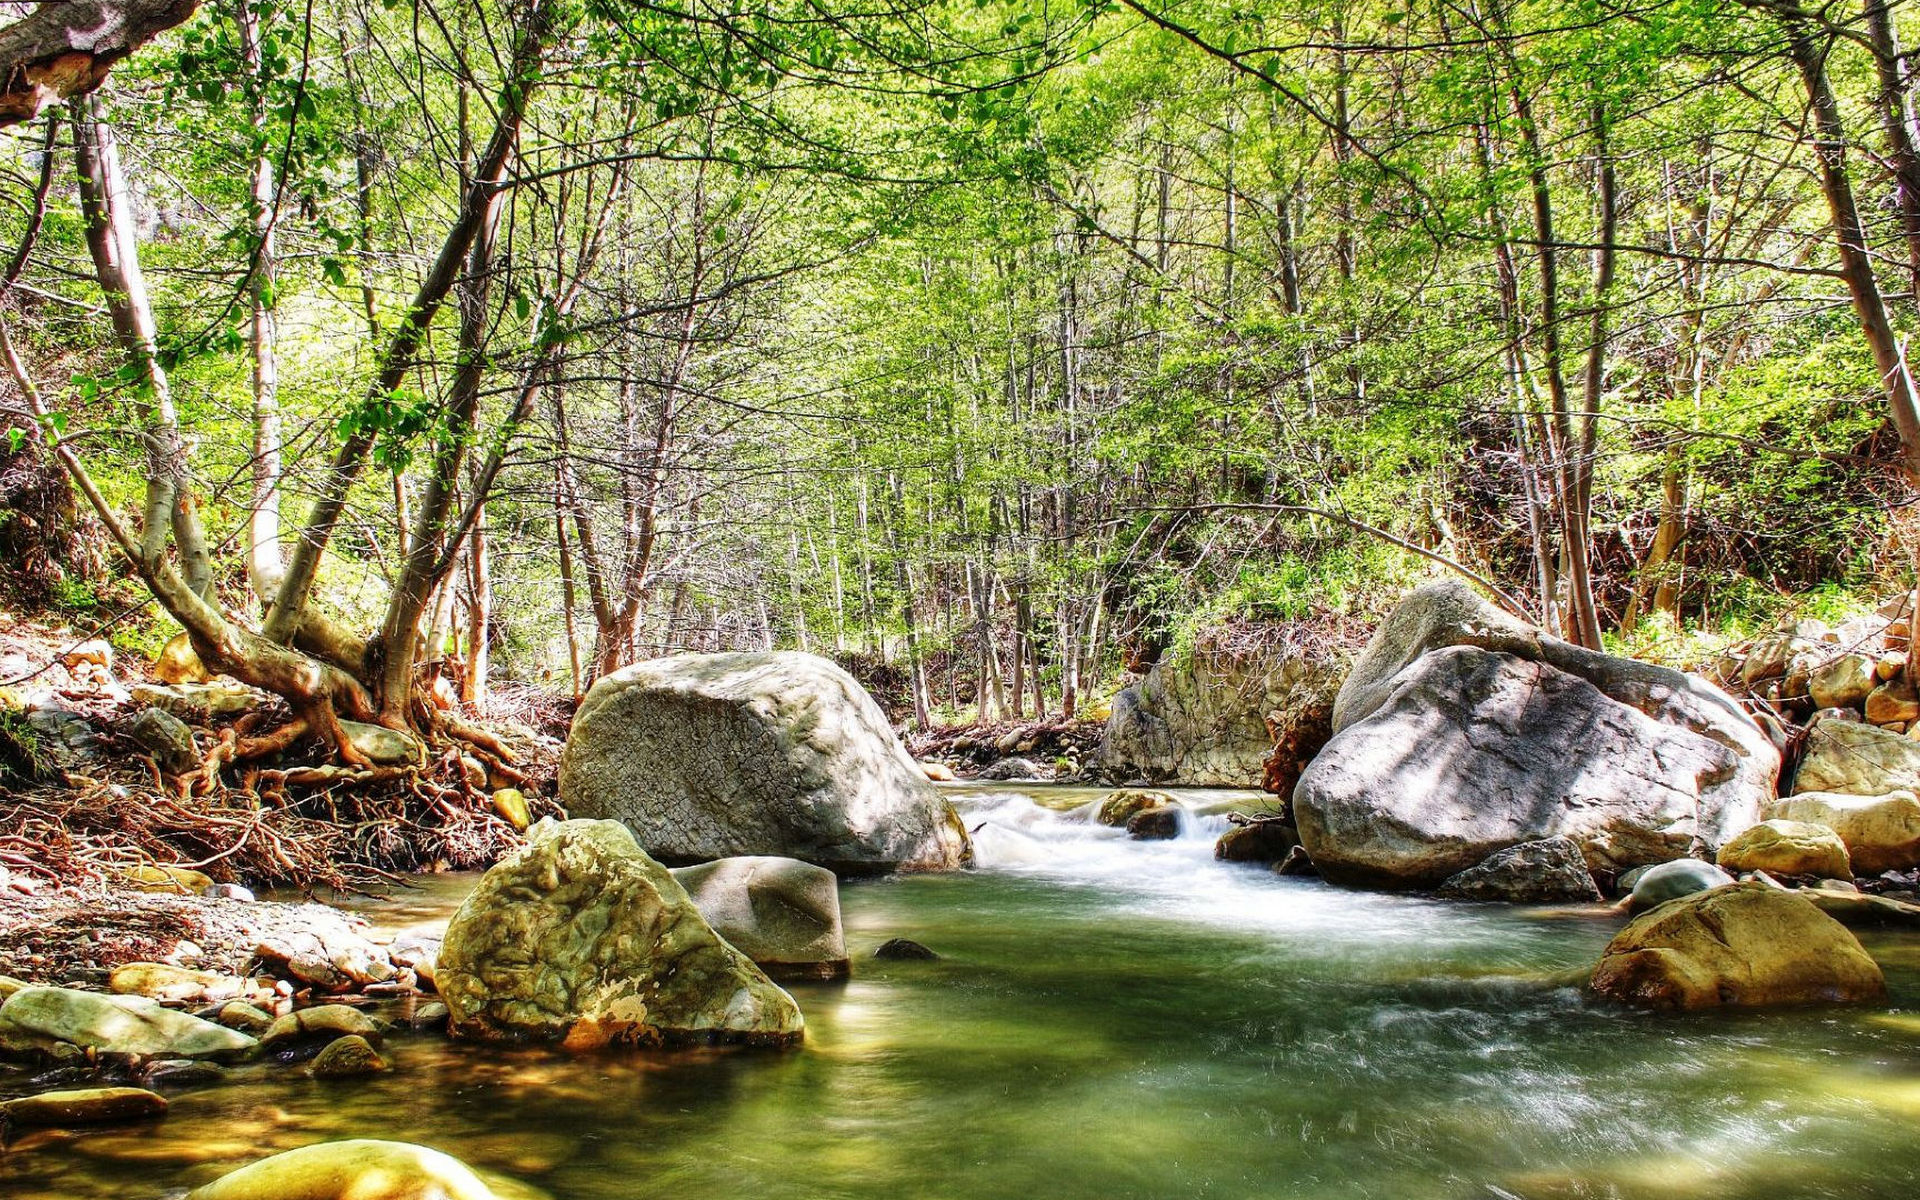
[{"x": 1113, "y": 1019}]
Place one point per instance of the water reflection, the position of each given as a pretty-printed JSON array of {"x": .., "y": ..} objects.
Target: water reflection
[{"x": 1116, "y": 1019}]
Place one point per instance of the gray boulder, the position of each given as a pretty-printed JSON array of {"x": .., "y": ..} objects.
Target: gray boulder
[
  {"x": 580, "y": 938},
  {"x": 782, "y": 913},
  {"x": 1544, "y": 872},
  {"x": 1857, "y": 759},
  {"x": 53, "y": 1022},
  {"x": 710, "y": 756},
  {"x": 1462, "y": 731},
  {"x": 1666, "y": 881},
  {"x": 167, "y": 738}
]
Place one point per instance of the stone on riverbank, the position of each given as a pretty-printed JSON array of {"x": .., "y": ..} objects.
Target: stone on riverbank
[
  {"x": 1549, "y": 871},
  {"x": 1788, "y": 848},
  {"x": 182, "y": 985},
  {"x": 307, "y": 1028},
  {"x": 710, "y": 756},
  {"x": 1462, "y": 732},
  {"x": 579, "y": 937},
  {"x": 1882, "y": 833},
  {"x": 361, "y": 1169},
  {"x": 41, "y": 1020},
  {"x": 782, "y": 913},
  {"x": 1745, "y": 946},
  {"x": 84, "y": 1106},
  {"x": 1857, "y": 759}
]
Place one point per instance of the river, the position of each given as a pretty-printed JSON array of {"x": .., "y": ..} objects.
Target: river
[{"x": 1113, "y": 1019}]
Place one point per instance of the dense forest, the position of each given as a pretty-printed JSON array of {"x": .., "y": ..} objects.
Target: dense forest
[{"x": 1007, "y": 344}]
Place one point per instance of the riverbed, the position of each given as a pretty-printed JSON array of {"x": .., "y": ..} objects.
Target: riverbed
[{"x": 1112, "y": 1019}]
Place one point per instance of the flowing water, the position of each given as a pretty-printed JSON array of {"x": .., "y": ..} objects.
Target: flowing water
[{"x": 1113, "y": 1019}]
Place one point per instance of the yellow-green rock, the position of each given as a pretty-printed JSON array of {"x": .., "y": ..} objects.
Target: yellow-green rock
[
  {"x": 361, "y": 1169},
  {"x": 580, "y": 937},
  {"x": 1744, "y": 946},
  {"x": 322, "y": 1023},
  {"x": 162, "y": 981},
  {"x": 511, "y": 804},
  {"x": 85, "y": 1106},
  {"x": 180, "y": 881},
  {"x": 178, "y": 663},
  {"x": 1781, "y": 847},
  {"x": 1117, "y": 808},
  {"x": 1882, "y": 833},
  {"x": 347, "y": 1057}
]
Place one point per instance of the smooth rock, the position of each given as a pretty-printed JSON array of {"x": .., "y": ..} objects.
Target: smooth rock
[
  {"x": 431, "y": 1015},
  {"x": 383, "y": 747},
  {"x": 1893, "y": 703},
  {"x": 1544, "y": 872},
  {"x": 938, "y": 772},
  {"x": 310, "y": 1027},
  {"x": 1857, "y": 910},
  {"x": 347, "y": 1057},
  {"x": 1013, "y": 770},
  {"x": 710, "y": 756},
  {"x": 1257, "y": 842},
  {"x": 511, "y": 804},
  {"x": 178, "y": 662},
  {"x": 1117, "y": 808},
  {"x": 178, "y": 881},
  {"x": 1782, "y": 847},
  {"x": 782, "y": 913},
  {"x": 167, "y": 738},
  {"x": 904, "y": 949},
  {"x": 1744, "y": 946},
  {"x": 1857, "y": 759},
  {"x": 38, "y": 1019},
  {"x": 1158, "y": 823},
  {"x": 248, "y": 1019},
  {"x": 579, "y": 937},
  {"x": 1462, "y": 731},
  {"x": 161, "y": 981},
  {"x": 361, "y": 1169},
  {"x": 1845, "y": 682},
  {"x": 1666, "y": 881},
  {"x": 86, "y": 1106},
  {"x": 1882, "y": 833}
]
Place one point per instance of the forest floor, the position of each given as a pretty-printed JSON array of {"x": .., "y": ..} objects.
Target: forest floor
[{"x": 83, "y": 801}]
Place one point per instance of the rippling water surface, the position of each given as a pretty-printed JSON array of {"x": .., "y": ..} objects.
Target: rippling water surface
[{"x": 1113, "y": 1019}]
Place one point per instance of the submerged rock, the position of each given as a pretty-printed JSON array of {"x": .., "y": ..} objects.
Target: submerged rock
[
  {"x": 1666, "y": 881},
  {"x": 347, "y": 1057},
  {"x": 42, "y": 1019},
  {"x": 1881, "y": 833},
  {"x": 1257, "y": 842},
  {"x": 1744, "y": 946},
  {"x": 86, "y": 1106},
  {"x": 361, "y": 1169},
  {"x": 710, "y": 756},
  {"x": 309, "y": 1028},
  {"x": 1158, "y": 823},
  {"x": 782, "y": 913},
  {"x": 1788, "y": 848},
  {"x": 904, "y": 949},
  {"x": 579, "y": 937},
  {"x": 1462, "y": 731},
  {"x": 1543, "y": 872}
]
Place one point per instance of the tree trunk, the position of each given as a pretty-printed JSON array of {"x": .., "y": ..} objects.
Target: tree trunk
[{"x": 65, "y": 48}]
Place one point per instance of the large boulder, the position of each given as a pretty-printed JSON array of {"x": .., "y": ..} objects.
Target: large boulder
[
  {"x": 1882, "y": 833},
  {"x": 579, "y": 937},
  {"x": 360, "y": 1169},
  {"x": 782, "y": 913},
  {"x": 1857, "y": 759},
  {"x": 710, "y": 756},
  {"x": 1461, "y": 731},
  {"x": 1201, "y": 716},
  {"x": 1544, "y": 872},
  {"x": 55, "y": 1021},
  {"x": 1744, "y": 946},
  {"x": 1788, "y": 848}
]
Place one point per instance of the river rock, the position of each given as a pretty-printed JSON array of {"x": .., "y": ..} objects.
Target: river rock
[
  {"x": 1200, "y": 716},
  {"x": 1788, "y": 848},
  {"x": 904, "y": 950},
  {"x": 1256, "y": 842},
  {"x": 579, "y": 937},
  {"x": 347, "y": 1057},
  {"x": 1857, "y": 759},
  {"x": 1117, "y": 808},
  {"x": 938, "y": 772},
  {"x": 162, "y": 981},
  {"x": 1844, "y": 682},
  {"x": 306, "y": 1028},
  {"x": 782, "y": 913},
  {"x": 1543, "y": 872},
  {"x": 710, "y": 756},
  {"x": 1012, "y": 770},
  {"x": 1744, "y": 946},
  {"x": 1158, "y": 823},
  {"x": 40, "y": 1019},
  {"x": 167, "y": 738},
  {"x": 1666, "y": 881},
  {"x": 1462, "y": 731},
  {"x": 237, "y": 1014},
  {"x": 361, "y": 1169},
  {"x": 86, "y": 1106},
  {"x": 1893, "y": 703},
  {"x": 1882, "y": 833}
]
